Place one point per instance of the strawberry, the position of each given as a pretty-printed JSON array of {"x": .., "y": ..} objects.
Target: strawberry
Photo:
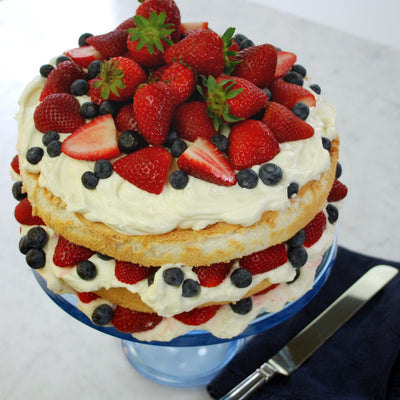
[
  {"x": 156, "y": 75},
  {"x": 314, "y": 229},
  {"x": 130, "y": 273},
  {"x": 212, "y": 275},
  {"x": 24, "y": 214},
  {"x": 284, "y": 124},
  {"x": 197, "y": 316},
  {"x": 290, "y": 94},
  {"x": 187, "y": 27},
  {"x": 266, "y": 290},
  {"x": 15, "y": 164},
  {"x": 284, "y": 63},
  {"x": 111, "y": 44},
  {"x": 191, "y": 121},
  {"x": 204, "y": 161},
  {"x": 145, "y": 168},
  {"x": 153, "y": 107},
  {"x": 93, "y": 141},
  {"x": 181, "y": 80},
  {"x": 127, "y": 24},
  {"x": 125, "y": 119},
  {"x": 118, "y": 79},
  {"x": 338, "y": 191},
  {"x": 61, "y": 78},
  {"x": 58, "y": 112},
  {"x": 257, "y": 64},
  {"x": 87, "y": 297},
  {"x": 68, "y": 254},
  {"x": 251, "y": 143},
  {"x": 84, "y": 55},
  {"x": 147, "y": 42},
  {"x": 171, "y": 10},
  {"x": 265, "y": 260},
  {"x": 129, "y": 321}
]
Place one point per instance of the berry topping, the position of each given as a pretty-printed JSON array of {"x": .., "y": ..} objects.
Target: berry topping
[
  {"x": 301, "y": 110},
  {"x": 197, "y": 316},
  {"x": 129, "y": 321},
  {"x": 49, "y": 136},
  {"x": 54, "y": 148},
  {"x": 102, "y": 315},
  {"x": 297, "y": 256},
  {"x": 265, "y": 260},
  {"x": 87, "y": 297},
  {"x": 247, "y": 178},
  {"x": 89, "y": 110},
  {"x": 299, "y": 69},
  {"x": 284, "y": 63},
  {"x": 243, "y": 306},
  {"x": 93, "y": 141},
  {"x": 314, "y": 229},
  {"x": 316, "y": 88},
  {"x": 130, "y": 141},
  {"x": 178, "y": 147},
  {"x": 15, "y": 164},
  {"x": 338, "y": 191},
  {"x": 333, "y": 213},
  {"x": 68, "y": 254},
  {"x": 84, "y": 56},
  {"x": 181, "y": 80},
  {"x": 130, "y": 273},
  {"x": 292, "y": 189},
  {"x": 34, "y": 155},
  {"x": 289, "y": 94},
  {"x": 79, "y": 87},
  {"x": 146, "y": 168},
  {"x": 45, "y": 70},
  {"x": 86, "y": 270},
  {"x": 266, "y": 290},
  {"x": 246, "y": 43},
  {"x": 173, "y": 276},
  {"x": 103, "y": 169},
  {"x": 221, "y": 142},
  {"x": 251, "y": 142},
  {"x": 294, "y": 77},
  {"x": 241, "y": 277},
  {"x": 94, "y": 69},
  {"x": 204, "y": 161},
  {"x": 82, "y": 41},
  {"x": 17, "y": 191},
  {"x": 190, "y": 288},
  {"x": 24, "y": 214},
  {"x": 187, "y": 27},
  {"x": 326, "y": 143},
  {"x": 284, "y": 124},
  {"x": 89, "y": 180},
  {"x": 297, "y": 272},
  {"x": 212, "y": 275},
  {"x": 36, "y": 258},
  {"x": 270, "y": 174},
  {"x": 298, "y": 239},
  {"x": 37, "y": 237},
  {"x": 125, "y": 119},
  {"x": 178, "y": 179},
  {"x": 111, "y": 44},
  {"x": 58, "y": 112},
  {"x": 338, "y": 170}
]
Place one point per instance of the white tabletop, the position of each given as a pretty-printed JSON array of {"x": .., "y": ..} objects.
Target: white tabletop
[{"x": 46, "y": 354}]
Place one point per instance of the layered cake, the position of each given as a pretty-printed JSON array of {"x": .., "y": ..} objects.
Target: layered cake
[{"x": 174, "y": 178}]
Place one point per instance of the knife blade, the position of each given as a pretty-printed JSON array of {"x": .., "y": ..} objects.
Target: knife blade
[{"x": 310, "y": 339}]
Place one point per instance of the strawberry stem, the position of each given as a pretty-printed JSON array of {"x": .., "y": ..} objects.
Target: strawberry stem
[
  {"x": 227, "y": 40},
  {"x": 110, "y": 79}
]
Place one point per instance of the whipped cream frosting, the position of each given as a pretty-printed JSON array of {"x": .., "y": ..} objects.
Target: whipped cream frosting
[{"x": 130, "y": 210}]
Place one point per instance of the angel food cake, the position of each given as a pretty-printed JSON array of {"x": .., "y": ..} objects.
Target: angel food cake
[{"x": 175, "y": 179}]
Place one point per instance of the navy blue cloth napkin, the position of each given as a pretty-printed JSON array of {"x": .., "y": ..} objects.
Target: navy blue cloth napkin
[{"x": 360, "y": 362}]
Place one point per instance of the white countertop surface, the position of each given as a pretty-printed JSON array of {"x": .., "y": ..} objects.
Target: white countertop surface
[{"x": 45, "y": 353}]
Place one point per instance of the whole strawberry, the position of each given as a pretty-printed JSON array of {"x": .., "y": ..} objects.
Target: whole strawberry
[
  {"x": 251, "y": 143},
  {"x": 118, "y": 79},
  {"x": 125, "y": 119},
  {"x": 130, "y": 273},
  {"x": 111, "y": 44},
  {"x": 197, "y": 316},
  {"x": 181, "y": 80},
  {"x": 129, "y": 321},
  {"x": 212, "y": 275},
  {"x": 153, "y": 106},
  {"x": 24, "y": 214},
  {"x": 68, "y": 254}
]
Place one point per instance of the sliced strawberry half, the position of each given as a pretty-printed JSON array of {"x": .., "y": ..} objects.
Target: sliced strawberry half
[
  {"x": 24, "y": 214},
  {"x": 197, "y": 316},
  {"x": 314, "y": 229},
  {"x": 284, "y": 63},
  {"x": 15, "y": 164},
  {"x": 93, "y": 141},
  {"x": 212, "y": 275},
  {"x": 338, "y": 191},
  {"x": 204, "y": 161},
  {"x": 284, "y": 124},
  {"x": 266, "y": 290},
  {"x": 129, "y": 321},
  {"x": 290, "y": 94},
  {"x": 87, "y": 297},
  {"x": 84, "y": 55},
  {"x": 68, "y": 254},
  {"x": 187, "y": 27},
  {"x": 131, "y": 273}
]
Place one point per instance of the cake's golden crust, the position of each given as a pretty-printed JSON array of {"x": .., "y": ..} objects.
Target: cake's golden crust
[{"x": 190, "y": 247}]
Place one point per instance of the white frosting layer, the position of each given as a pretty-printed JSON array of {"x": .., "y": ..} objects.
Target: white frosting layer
[{"x": 127, "y": 209}]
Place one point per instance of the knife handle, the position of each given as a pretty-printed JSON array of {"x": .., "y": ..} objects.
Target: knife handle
[{"x": 251, "y": 383}]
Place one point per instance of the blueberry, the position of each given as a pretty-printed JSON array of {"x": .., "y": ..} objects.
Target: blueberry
[
  {"x": 86, "y": 270},
  {"x": 82, "y": 39},
  {"x": 178, "y": 179},
  {"x": 247, "y": 178},
  {"x": 296, "y": 276},
  {"x": 89, "y": 110},
  {"x": 299, "y": 69},
  {"x": 130, "y": 141},
  {"x": 298, "y": 239},
  {"x": 79, "y": 87},
  {"x": 103, "y": 169},
  {"x": 94, "y": 69},
  {"x": 45, "y": 70},
  {"x": 102, "y": 315},
  {"x": 294, "y": 77},
  {"x": 316, "y": 88},
  {"x": 62, "y": 59},
  {"x": 241, "y": 277},
  {"x": 104, "y": 257},
  {"x": 173, "y": 276},
  {"x": 17, "y": 191},
  {"x": 326, "y": 143},
  {"x": 34, "y": 154},
  {"x": 35, "y": 258},
  {"x": 268, "y": 92},
  {"x": 49, "y": 136},
  {"x": 150, "y": 278},
  {"x": 23, "y": 245},
  {"x": 297, "y": 256},
  {"x": 190, "y": 288},
  {"x": 301, "y": 110},
  {"x": 178, "y": 147},
  {"x": 54, "y": 148},
  {"x": 246, "y": 43},
  {"x": 270, "y": 174},
  {"x": 242, "y": 306},
  {"x": 239, "y": 37},
  {"x": 89, "y": 180},
  {"x": 333, "y": 213},
  {"x": 292, "y": 189},
  {"x": 172, "y": 135},
  {"x": 37, "y": 237},
  {"x": 221, "y": 142},
  {"x": 108, "y": 107},
  {"x": 338, "y": 170}
]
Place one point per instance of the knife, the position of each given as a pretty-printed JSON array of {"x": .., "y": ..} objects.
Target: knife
[{"x": 307, "y": 341}]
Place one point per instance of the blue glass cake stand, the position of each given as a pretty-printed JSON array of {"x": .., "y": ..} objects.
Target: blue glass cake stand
[{"x": 195, "y": 358}]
